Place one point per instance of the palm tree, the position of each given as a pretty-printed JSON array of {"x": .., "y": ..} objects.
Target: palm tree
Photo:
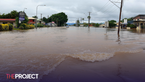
[{"x": 77, "y": 23}]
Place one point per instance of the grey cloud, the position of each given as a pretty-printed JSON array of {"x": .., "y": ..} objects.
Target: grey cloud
[{"x": 101, "y": 10}]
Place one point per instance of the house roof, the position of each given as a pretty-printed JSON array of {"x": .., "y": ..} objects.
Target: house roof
[
  {"x": 31, "y": 18},
  {"x": 139, "y": 15},
  {"x": 9, "y": 20}
]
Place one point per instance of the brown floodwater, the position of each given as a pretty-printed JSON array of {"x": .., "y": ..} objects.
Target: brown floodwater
[{"x": 42, "y": 50}]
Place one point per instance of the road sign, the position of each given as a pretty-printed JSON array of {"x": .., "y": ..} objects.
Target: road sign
[{"x": 21, "y": 16}]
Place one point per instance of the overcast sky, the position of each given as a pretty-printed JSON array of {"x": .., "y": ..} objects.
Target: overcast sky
[{"x": 101, "y": 10}]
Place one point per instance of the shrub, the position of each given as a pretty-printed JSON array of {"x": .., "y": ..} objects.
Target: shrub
[
  {"x": 21, "y": 27},
  {"x": 128, "y": 25},
  {"x": 5, "y": 27},
  {"x": 10, "y": 26},
  {"x": 49, "y": 26},
  {"x": 40, "y": 25},
  {"x": 31, "y": 26},
  {"x": 1, "y": 28},
  {"x": 27, "y": 27},
  {"x": 24, "y": 25},
  {"x": 132, "y": 26}
]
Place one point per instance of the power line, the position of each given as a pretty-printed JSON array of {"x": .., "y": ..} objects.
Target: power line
[
  {"x": 114, "y": 3},
  {"x": 108, "y": 8},
  {"x": 103, "y": 6}
]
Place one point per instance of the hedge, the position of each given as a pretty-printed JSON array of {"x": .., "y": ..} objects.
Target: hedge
[
  {"x": 10, "y": 26},
  {"x": 4, "y": 27},
  {"x": 26, "y": 26}
]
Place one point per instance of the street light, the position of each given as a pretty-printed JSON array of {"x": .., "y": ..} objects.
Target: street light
[
  {"x": 36, "y": 13},
  {"x": 24, "y": 9}
]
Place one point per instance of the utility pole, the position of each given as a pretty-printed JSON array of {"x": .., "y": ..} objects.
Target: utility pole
[
  {"x": 120, "y": 16},
  {"x": 41, "y": 16},
  {"x": 89, "y": 17}
]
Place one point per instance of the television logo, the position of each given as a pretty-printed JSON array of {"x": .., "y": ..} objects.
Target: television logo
[{"x": 22, "y": 76}]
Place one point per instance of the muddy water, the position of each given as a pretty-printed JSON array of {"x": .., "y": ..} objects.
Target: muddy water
[{"x": 42, "y": 50}]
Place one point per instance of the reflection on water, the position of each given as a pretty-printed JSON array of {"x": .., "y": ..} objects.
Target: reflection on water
[
  {"x": 41, "y": 50},
  {"x": 142, "y": 31},
  {"x": 118, "y": 40}
]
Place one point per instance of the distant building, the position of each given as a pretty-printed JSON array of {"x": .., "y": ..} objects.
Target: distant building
[
  {"x": 106, "y": 24},
  {"x": 102, "y": 25},
  {"x": 139, "y": 21},
  {"x": 118, "y": 23},
  {"x": 31, "y": 20},
  {"x": 81, "y": 25},
  {"x": 5, "y": 21},
  {"x": 40, "y": 21}
]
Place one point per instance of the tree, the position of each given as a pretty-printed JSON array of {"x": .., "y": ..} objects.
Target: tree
[
  {"x": 34, "y": 16},
  {"x": 97, "y": 25},
  {"x": 78, "y": 23},
  {"x": 130, "y": 19},
  {"x": 112, "y": 23},
  {"x": 45, "y": 19},
  {"x": 83, "y": 19},
  {"x": 60, "y": 18},
  {"x": 12, "y": 15},
  {"x": 93, "y": 24}
]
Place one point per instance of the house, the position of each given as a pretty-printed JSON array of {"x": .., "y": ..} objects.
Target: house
[
  {"x": 139, "y": 21},
  {"x": 31, "y": 20},
  {"x": 4, "y": 21},
  {"x": 102, "y": 25},
  {"x": 122, "y": 25},
  {"x": 40, "y": 21},
  {"x": 129, "y": 22}
]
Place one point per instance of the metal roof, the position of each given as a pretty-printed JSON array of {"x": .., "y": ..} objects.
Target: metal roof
[
  {"x": 31, "y": 18},
  {"x": 7, "y": 20}
]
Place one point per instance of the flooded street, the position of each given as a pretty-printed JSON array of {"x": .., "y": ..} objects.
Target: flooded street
[{"x": 59, "y": 50}]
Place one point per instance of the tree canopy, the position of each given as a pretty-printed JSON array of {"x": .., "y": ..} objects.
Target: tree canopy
[
  {"x": 60, "y": 19},
  {"x": 34, "y": 16},
  {"x": 46, "y": 20},
  {"x": 12, "y": 15},
  {"x": 112, "y": 23}
]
